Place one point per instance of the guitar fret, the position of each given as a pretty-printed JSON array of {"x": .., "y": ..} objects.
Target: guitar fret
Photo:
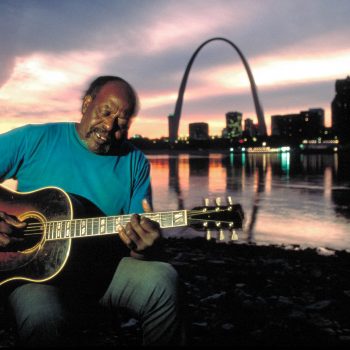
[
  {"x": 108, "y": 225},
  {"x": 164, "y": 220},
  {"x": 68, "y": 229},
  {"x": 126, "y": 219},
  {"x": 110, "y": 222},
  {"x": 59, "y": 229},
  {"x": 49, "y": 231},
  {"x": 83, "y": 227},
  {"x": 95, "y": 226},
  {"x": 73, "y": 228},
  {"x": 117, "y": 222},
  {"x": 54, "y": 234},
  {"x": 89, "y": 227},
  {"x": 179, "y": 218},
  {"x": 103, "y": 226},
  {"x": 78, "y": 228}
]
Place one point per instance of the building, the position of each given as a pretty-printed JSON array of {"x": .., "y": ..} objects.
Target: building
[
  {"x": 305, "y": 125},
  {"x": 199, "y": 131},
  {"x": 250, "y": 129},
  {"x": 233, "y": 125},
  {"x": 341, "y": 110}
]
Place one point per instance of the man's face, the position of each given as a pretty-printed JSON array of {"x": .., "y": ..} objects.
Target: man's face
[{"x": 106, "y": 119}]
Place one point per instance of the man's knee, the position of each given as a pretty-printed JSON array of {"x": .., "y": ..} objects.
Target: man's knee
[
  {"x": 38, "y": 313},
  {"x": 159, "y": 279}
]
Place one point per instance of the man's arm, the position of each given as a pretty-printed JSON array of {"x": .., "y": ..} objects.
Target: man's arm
[
  {"x": 141, "y": 235},
  {"x": 12, "y": 146}
]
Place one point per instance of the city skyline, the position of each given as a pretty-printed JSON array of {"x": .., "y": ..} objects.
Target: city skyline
[{"x": 52, "y": 50}]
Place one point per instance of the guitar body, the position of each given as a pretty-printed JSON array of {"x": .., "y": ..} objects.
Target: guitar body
[{"x": 39, "y": 260}]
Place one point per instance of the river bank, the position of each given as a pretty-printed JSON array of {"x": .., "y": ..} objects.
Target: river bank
[{"x": 245, "y": 295}]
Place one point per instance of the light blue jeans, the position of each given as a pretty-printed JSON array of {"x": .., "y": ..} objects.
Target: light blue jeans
[{"x": 148, "y": 289}]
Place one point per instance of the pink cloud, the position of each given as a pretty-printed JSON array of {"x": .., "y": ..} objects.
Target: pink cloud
[{"x": 47, "y": 87}]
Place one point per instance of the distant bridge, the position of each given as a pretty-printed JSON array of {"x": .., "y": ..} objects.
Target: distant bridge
[{"x": 174, "y": 124}]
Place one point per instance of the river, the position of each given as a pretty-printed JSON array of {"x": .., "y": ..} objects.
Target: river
[{"x": 288, "y": 199}]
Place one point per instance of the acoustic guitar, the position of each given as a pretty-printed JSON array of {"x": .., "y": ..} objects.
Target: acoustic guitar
[{"x": 55, "y": 219}]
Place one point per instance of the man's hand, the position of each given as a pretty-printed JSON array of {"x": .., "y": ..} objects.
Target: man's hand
[
  {"x": 7, "y": 226},
  {"x": 141, "y": 234}
]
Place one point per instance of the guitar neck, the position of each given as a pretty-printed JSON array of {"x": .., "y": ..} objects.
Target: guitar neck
[{"x": 108, "y": 224}]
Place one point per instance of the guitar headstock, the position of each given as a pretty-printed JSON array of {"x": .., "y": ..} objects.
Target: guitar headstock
[{"x": 218, "y": 217}]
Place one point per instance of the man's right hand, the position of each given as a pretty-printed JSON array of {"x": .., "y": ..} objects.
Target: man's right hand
[{"x": 8, "y": 224}]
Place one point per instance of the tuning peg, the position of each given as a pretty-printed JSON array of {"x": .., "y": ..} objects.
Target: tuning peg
[
  {"x": 221, "y": 235},
  {"x": 206, "y": 202},
  {"x": 234, "y": 236},
  {"x": 208, "y": 235},
  {"x": 218, "y": 201},
  {"x": 229, "y": 200}
]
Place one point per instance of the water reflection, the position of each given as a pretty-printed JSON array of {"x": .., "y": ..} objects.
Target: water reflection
[
  {"x": 174, "y": 182},
  {"x": 288, "y": 199}
]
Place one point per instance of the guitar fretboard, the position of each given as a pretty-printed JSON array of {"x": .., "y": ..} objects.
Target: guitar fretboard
[{"x": 108, "y": 225}]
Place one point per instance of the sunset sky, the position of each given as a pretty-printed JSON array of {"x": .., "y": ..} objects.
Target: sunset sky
[{"x": 50, "y": 50}]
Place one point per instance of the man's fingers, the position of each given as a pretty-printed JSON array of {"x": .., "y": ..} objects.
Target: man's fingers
[
  {"x": 4, "y": 240},
  {"x": 125, "y": 236},
  {"x": 149, "y": 225},
  {"x": 11, "y": 220},
  {"x": 16, "y": 223}
]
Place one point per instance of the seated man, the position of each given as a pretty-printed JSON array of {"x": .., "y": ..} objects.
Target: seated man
[{"x": 93, "y": 160}]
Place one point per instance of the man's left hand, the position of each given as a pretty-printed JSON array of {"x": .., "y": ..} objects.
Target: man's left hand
[{"x": 141, "y": 234}]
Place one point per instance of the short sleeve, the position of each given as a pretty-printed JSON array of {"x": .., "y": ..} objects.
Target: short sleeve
[{"x": 12, "y": 151}]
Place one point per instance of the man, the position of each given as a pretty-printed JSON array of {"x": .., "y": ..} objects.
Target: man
[{"x": 94, "y": 160}]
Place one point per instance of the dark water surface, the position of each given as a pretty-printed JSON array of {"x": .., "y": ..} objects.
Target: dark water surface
[{"x": 287, "y": 198}]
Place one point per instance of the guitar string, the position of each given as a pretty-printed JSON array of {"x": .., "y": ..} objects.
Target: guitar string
[
  {"x": 39, "y": 224},
  {"x": 32, "y": 227},
  {"x": 34, "y": 232}
]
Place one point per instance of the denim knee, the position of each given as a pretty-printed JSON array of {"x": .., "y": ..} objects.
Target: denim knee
[
  {"x": 162, "y": 275},
  {"x": 39, "y": 315}
]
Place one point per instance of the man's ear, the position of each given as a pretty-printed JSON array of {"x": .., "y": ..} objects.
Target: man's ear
[{"x": 86, "y": 102}]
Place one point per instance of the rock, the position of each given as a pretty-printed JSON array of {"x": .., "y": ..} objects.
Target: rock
[
  {"x": 227, "y": 326},
  {"x": 242, "y": 295},
  {"x": 213, "y": 297},
  {"x": 320, "y": 305}
]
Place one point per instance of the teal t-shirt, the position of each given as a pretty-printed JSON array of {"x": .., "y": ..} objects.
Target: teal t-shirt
[{"x": 54, "y": 155}]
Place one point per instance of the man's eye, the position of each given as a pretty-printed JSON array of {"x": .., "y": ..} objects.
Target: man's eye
[{"x": 106, "y": 113}]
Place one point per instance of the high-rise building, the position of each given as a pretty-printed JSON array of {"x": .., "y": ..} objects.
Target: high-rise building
[
  {"x": 307, "y": 124},
  {"x": 199, "y": 131},
  {"x": 250, "y": 129},
  {"x": 233, "y": 124},
  {"x": 341, "y": 110}
]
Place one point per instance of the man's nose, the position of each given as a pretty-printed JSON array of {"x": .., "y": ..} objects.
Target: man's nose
[{"x": 110, "y": 123}]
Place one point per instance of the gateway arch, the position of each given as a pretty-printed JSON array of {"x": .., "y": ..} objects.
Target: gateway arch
[{"x": 175, "y": 119}]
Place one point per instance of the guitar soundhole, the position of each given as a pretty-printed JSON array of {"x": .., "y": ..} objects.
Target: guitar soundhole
[{"x": 28, "y": 237}]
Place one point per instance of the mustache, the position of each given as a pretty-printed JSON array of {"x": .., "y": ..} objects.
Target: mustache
[{"x": 103, "y": 132}]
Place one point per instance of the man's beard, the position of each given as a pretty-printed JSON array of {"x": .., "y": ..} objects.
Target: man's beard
[{"x": 106, "y": 142}]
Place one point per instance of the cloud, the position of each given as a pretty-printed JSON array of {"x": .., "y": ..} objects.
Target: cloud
[
  {"x": 51, "y": 50},
  {"x": 47, "y": 87}
]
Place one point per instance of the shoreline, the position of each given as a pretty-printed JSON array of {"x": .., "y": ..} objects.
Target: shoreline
[{"x": 245, "y": 295}]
